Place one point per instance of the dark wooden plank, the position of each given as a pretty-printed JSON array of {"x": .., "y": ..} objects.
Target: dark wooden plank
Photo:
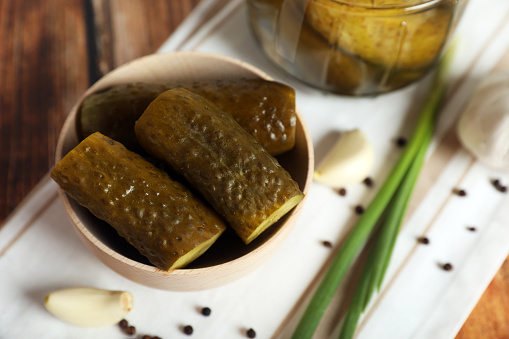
[
  {"x": 126, "y": 30},
  {"x": 43, "y": 71}
]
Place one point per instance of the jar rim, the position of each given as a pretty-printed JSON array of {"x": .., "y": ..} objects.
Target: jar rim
[{"x": 410, "y": 5}]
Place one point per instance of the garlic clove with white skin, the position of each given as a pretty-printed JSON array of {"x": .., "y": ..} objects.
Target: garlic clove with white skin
[
  {"x": 349, "y": 161},
  {"x": 483, "y": 128},
  {"x": 89, "y": 307}
]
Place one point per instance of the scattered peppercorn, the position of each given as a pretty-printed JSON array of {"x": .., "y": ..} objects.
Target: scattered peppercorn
[
  {"x": 368, "y": 182},
  {"x": 401, "y": 142},
  {"x": 188, "y": 329},
  {"x": 423, "y": 240},
  {"x": 251, "y": 333},
  {"x": 471, "y": 228},
  {"x": 146, "y": 337},
  {"x": 460, "y": 192},
  {"x": 156, "y": 337},
  {"x": 123, "y": 323},
  {"x": 498, "y": 185},
  {"x": 447, "y": 267},
  {"x": 206, "y": 311},
  {"x": 327, "y": 243},
  {"x": 342, "y": 192},
  {"x": 131, "y": 330},
  {"x": 359, "y": 209}
]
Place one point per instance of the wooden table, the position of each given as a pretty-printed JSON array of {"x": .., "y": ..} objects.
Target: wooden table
[{"x": 52, "y": 50}]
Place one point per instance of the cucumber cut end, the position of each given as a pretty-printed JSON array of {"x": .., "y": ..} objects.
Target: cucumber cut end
[
  {"x": 274, "y": 217},
  {"x": 195, "y": 252}
]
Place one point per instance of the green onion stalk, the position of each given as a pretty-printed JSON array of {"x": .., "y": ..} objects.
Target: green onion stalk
[
  {"x": 392, "y": 198},
  {"x": 374, "y": 270}
]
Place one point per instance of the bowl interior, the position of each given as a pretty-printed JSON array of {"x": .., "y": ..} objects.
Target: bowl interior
[{"x": 183, "y": 66}]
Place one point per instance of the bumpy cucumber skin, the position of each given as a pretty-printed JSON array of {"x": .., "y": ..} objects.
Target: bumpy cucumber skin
[
  {"x": 235, "y": 174},
  {"x": 160, "y": 217},
  {"x": 113, "y": 112},
  {"x": 265, "y": 109}
]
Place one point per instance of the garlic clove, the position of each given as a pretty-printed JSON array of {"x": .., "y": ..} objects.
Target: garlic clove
[
  {"x": 89, "y": 307},
  {"x": 483, "y": 128},
  {"x": 349, "y": 161}
]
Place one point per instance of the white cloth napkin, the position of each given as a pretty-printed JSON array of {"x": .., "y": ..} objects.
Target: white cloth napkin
[{"x": 39, "y": 251}]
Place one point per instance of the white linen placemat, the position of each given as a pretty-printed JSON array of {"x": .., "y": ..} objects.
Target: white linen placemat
[{"x": 39, "y": 251}]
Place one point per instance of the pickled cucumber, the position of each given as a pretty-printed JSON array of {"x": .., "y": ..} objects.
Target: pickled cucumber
[
  {"x": 391, "y": 36},
  {"x": 114, "y": 111},
  {"x": 160, "y": 217},
  {"x": 235, "y": 174},
  {"x": 265, "y": 109}
]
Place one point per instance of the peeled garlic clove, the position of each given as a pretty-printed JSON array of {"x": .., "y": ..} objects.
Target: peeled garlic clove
[
  {"x": 89, "y": 307},
  {"x": 483, "y": 127},
  {"x": 349, "y": 161}
]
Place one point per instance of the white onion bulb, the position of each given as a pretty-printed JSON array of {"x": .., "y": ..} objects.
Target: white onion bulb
[{"x": 483, "y": 127}]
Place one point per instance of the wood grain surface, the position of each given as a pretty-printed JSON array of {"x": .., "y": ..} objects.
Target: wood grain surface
[{"x": 52, "y": 50}]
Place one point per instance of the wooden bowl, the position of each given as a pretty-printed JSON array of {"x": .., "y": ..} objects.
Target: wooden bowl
[{"x": 216, "y": 267}]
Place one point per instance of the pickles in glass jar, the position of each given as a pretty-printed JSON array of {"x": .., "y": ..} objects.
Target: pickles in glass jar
[
  {"x": 159, "y": 216},
  {"x": 234, "y": 173},
  {"x": 354, "y": 47}
]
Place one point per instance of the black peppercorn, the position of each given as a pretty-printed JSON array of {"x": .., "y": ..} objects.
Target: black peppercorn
[
  {"x": 206, "y": 311},
  {"x": 342, "y": 192},
  {"x": 327, "y": 243},
  {"x": 423, "y": 240},
  {"x": 401, "y": 141},
  {"x": 498, "y": 185},
  {"x": 359, "y": 209},
  {"x": 131, "y": 330},
  {"x": 447, "y": 267},
  {"x": 471, "y": 228},
  {"x": 146, "y": 337},
  {"x": 188, "y": 329},
  {"x": 251, "y": 333},
  {"x": 368, "y": 182},
  {"x": 123, "y": 323},
  {"x": 460, "y": 192}
]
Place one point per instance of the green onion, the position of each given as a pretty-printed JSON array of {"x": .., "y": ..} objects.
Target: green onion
[
  {"x": 360, "y": 233},
  {"x": 374, "y": 270},
  {"x": 398, "y": 208}
]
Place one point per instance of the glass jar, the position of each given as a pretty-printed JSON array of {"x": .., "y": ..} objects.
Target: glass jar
[{"x": 354, "y": 47}]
